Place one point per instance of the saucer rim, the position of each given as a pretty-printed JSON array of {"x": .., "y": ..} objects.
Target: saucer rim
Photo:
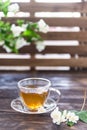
[{"x": 24, "y": 112}]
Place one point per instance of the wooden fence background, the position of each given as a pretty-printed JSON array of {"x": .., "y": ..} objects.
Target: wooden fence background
[{"x": 77, "y": 53}]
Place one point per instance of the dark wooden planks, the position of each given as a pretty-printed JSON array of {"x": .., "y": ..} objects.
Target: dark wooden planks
[
  {"x": 80, "y": 36},
  {"x": 12, "y": 120},
  {"x": 53, "y": 7},
  {"x": 72, "y": 62},
  {"x": 79, "y": 49},
  {"x": 63, "y": 22}
]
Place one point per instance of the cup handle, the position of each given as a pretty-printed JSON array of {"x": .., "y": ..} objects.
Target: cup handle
[{"x": 55, "y": 94}]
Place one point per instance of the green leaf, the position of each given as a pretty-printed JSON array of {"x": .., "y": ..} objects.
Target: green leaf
[
  {"x": 4, "y": 6},
  {"x": 70, "y": 123},
  {"x": 31, "y": 34},
  {"x": 82, "y": 115},
  {"x": 20, "y": 22},
  {"x": 34, "y": 25}
]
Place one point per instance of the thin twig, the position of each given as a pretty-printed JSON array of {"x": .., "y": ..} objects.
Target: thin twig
[{"x": 84, "y": 101}]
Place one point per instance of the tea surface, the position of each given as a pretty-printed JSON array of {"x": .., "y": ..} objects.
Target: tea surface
[{"x": 34, "y": 100}]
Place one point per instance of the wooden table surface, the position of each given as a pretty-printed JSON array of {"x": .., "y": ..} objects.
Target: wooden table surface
[{"x": 71, "y": 85}]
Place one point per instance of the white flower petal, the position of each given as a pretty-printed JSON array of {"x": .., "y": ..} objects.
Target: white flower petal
[
  {"x": 57, "y": 117},
  {"x": 65, "y": 113},
  {"x": 72, "y": 117},
  {"x": 13, "y": 8},
  {"x": 43, "y": 27},
  {"x": 21, "y": 42},
  {"x": 24, "y": 26},
  {"x": 7, "y": 48},
  {"x": 1, "y": 43},
  {"x": 16, "y": 30},
  {"x": 40, "y": 46}
]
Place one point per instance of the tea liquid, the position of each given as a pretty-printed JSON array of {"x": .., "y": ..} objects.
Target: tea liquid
[{"x": 34, "y": 100}]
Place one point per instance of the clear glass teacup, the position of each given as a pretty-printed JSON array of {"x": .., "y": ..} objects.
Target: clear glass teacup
[{"x": 34, "y": 92}]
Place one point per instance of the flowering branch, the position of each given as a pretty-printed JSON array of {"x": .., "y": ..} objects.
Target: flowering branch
[
  {"x": 59, "y": 117},
  {"x": 70, "y": 117},
  {"x": 15, "y": 36},
  {"x": 6, "y": 7}
]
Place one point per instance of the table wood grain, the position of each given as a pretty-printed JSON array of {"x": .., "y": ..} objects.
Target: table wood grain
[{"x": 71, "y": 85}]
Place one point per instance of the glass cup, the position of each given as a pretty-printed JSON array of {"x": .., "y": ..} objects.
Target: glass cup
[{"x": 34, "y": 92}]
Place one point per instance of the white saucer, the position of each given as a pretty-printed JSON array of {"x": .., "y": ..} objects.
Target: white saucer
[{"x": 17, "y": 105}]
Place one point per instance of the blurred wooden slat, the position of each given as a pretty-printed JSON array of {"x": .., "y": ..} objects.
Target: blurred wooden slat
[
  {"x": 80, "y": 49},
  {"x": 53, "y": 7},
  {"x": 68, "y": 22},
  {"x": 80, "y": 36},
  {"x": 72, "y": 62}
]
